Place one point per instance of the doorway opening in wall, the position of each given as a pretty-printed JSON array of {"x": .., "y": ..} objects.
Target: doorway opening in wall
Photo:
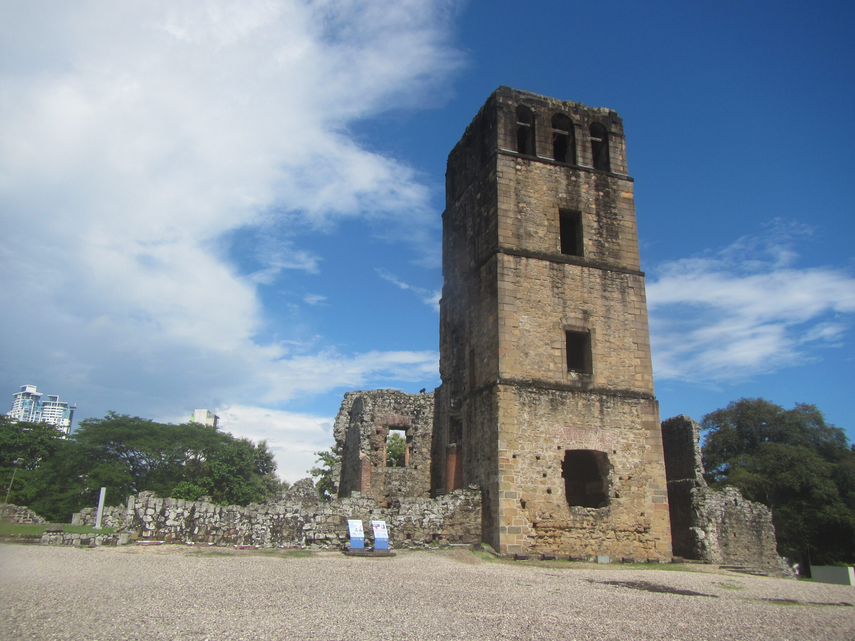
[
  {"x": 586, "y": 478},
  {"x": 397, "y": 449}
]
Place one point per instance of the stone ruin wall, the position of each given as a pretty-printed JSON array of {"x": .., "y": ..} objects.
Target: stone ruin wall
[
  {"x": 19, "y": 514},
  {"x": 298, "y": 519},
  {"x": 714, "y": 526},
  {"x": 361, "y": 429}
]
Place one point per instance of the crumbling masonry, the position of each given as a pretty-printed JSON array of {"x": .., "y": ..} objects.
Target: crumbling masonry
[{"x": 710, "y": 525}]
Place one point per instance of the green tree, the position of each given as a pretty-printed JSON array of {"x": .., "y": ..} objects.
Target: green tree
[
  {"x": 330, "y": 464},
  {"x": 129, "y": 454},
  {"x": 234, "y": 472},
  {"x": 793, "y": 462},
  {"x": 396, "y": 450},
  {"x": 30, "y": 442}
]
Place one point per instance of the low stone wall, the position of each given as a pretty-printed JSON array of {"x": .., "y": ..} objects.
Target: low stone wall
[
  {"x": 114, "y": 517},
  {"x": 84, "y": 540},
  {"x": 19, "y": 514},
  {"x": 298, "y": 519}
]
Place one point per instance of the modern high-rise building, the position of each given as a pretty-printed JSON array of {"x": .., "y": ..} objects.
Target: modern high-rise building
[
  {"x": 205, "y": 417},
  {"x": 28, "y": 407},
  {"x": 26, "y": 404}
]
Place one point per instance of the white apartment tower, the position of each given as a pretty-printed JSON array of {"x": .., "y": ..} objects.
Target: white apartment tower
[
  {"x": 205, "y": 417},
  {"x": 28, "y": 407}
]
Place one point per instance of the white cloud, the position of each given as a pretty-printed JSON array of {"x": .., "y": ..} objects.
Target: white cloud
[
  {"x": 134, "y": 138},
  {"x": 746, "y": 310},
  {"x": 314, "y": 299},
  {"x": 427, "y": 296},
  {"x": 293, "y": 438}
]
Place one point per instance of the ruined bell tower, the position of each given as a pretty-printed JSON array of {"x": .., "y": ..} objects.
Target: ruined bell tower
[{"x": 547, "y": 396}]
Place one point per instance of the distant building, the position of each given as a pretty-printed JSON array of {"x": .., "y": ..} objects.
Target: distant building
[
  {"x": 205, "y": 417},
  {"x": 28, "y": 407},
  {"x": 25, "y": 404}
]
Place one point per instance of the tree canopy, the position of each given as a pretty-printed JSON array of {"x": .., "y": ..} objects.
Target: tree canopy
[
  {"x": 128, "y": 454},
  {"x": 793, "y": 462},
  {"x": 330, "y": 463}
]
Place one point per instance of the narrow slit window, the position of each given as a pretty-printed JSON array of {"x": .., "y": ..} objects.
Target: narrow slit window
[
  {"x": 563, "y": 139},
  {"x": 578, "y": 352},
  {"x": 570, "y": 230},
  {"x": 586, "y": 478},
  {"x": 525, "y": 131},
  {"x": 600, "y": 147},
  {"x": 455, "y": 430}
]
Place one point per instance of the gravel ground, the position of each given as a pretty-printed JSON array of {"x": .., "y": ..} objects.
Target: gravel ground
[{"x": 175, "y": 592}]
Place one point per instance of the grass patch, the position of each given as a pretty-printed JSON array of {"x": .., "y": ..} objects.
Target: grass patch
[
  {"x": 484, "y": 556},
  {"x": 14, "y": 529}
]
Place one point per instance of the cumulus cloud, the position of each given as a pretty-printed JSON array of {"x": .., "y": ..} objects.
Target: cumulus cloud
[
  {"x": 293, "y": 438},
  {"x": 746, "y": 310},
  {"x": 135, "y": 138}
]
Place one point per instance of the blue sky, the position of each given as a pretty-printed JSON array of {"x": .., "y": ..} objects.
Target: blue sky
[{"x": 236, "y": 205}]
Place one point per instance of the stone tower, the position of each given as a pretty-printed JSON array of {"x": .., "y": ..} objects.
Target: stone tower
[{"x": 547, "y": 397}]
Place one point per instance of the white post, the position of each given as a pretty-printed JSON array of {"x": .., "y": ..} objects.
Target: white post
[{"x": 100, "y": 508}]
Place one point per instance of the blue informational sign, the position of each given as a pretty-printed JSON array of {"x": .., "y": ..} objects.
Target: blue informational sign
[
  {"x": 357, "y": 535},
  {"x": 381, "y": 535}
]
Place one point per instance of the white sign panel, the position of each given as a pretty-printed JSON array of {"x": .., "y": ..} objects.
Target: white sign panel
[{"x": 355, "y": 528}]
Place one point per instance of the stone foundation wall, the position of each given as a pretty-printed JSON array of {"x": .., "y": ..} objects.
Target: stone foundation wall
[
  {"x": 298, "y": 519},
  {"x": 84, "y": 540}
]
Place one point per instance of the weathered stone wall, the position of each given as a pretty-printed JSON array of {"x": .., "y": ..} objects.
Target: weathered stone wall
[
  {"x": 708, "y": 525},
  {"x": 541, "y": 300},
  {"x": 298, "y": 519},
  {"x": 19, "y": 514},
  {"x": 732, "y": 531},
  {"x": 85, "y": 540},
  {"x": 539, "y": 427},
  {"x": 362, "y": 427},
  {"x": 509, "y": 298},
  {"x": 112, "y": 516}
]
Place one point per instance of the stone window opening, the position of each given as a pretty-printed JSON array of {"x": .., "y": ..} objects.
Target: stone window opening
[
  {"x": 578, "y": 352},
  {"x": 586, "y": 478},
  {"x": 455, "y": 430},
  {"x": 600, "y": 147},
  {"x": 525, "y": 131},
  {"x": 563, "y": 139},
  {"x": 397, "y": 448},
  {"x": 570, "y": 232}
]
